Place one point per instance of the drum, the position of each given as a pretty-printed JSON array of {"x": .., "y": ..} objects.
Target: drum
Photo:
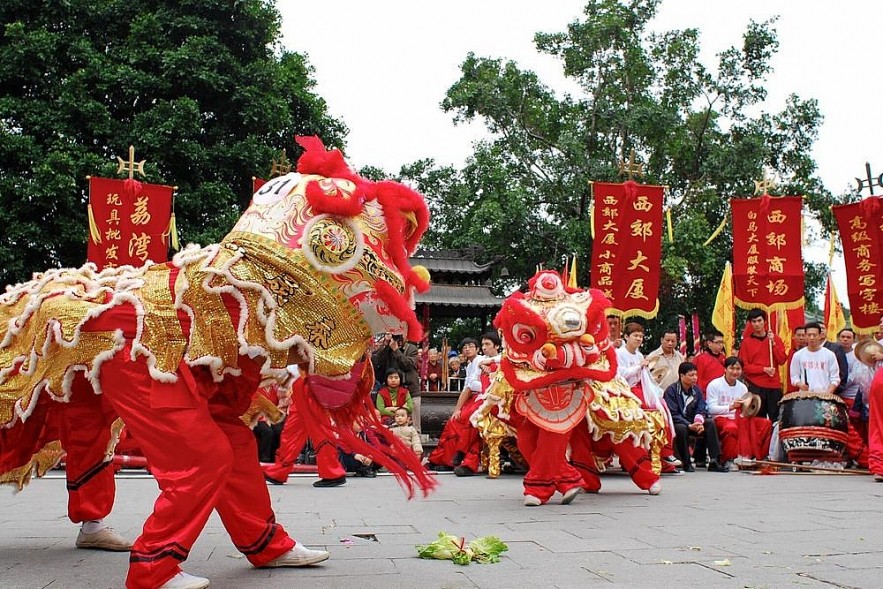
[{"x": 813, "y": 426}]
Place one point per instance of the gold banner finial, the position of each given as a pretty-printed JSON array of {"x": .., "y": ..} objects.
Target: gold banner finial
[
  {"x": 130, "y": 166},
  {"x": 764, "y": 185},
  {"x": 281, "y": 166},
  {"x": 631, "y": 167}
]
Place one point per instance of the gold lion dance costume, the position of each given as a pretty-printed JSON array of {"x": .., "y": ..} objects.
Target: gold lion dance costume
[
  {"x": 557, "y": 385},
  {"x": 315, "y": 266}
]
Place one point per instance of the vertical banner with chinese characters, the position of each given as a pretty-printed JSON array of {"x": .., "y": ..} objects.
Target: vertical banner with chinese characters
[
  {"x": 129, "y": 222},
  {"x": 767, "y": 257},
  {"x": 627, "y": 249},
  {"x": 861, "y": 233}
]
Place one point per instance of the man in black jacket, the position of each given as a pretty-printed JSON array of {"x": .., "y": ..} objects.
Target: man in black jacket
[{"x": 688, "y": 412}]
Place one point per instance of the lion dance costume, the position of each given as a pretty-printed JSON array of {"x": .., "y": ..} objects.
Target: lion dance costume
[
  {"x": 557, "y": 385},
  {"x": 315, "y": 266}
]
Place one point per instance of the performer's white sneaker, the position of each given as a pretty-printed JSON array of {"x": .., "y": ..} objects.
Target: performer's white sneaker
[
  {"x": 570, "y": 495},
  {"x": 104, "y": 539},
  {"x": 184, "y": 581},
  {"x": 531, "y": 501},
  {"x": 299, "y": 556},
  {"x": 655, "y": 488}
]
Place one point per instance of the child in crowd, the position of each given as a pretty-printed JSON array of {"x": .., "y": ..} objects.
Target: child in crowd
[
  {"x": 405, "y": 431},
  {"x": 393, "y": 396}
]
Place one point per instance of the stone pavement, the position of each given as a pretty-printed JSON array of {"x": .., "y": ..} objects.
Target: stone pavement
[{"x": 705, "y": 530}]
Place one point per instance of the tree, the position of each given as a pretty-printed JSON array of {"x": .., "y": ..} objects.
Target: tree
[
  {"x": 524, "y": 193},
  {"x": 202, "y": 89}
]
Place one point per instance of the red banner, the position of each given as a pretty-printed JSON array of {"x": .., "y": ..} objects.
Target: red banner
[
  {"x": 128, "y": 222},
  {"x": 627, "y": 249},
  {"x": 767, "y": 257},
  {"x": 861, "y": 233}
]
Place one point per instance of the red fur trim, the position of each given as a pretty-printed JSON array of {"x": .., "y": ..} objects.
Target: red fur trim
[
  {"x": 399, "y": 307},
  {"x": 334, "y": 204},
  {"x": 317, "y": 160}
]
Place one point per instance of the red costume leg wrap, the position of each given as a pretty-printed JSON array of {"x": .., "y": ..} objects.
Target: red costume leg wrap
[
  {"x": 458, "y": 435},
  {"x": 754, "y": 435},
  {"x": 857, "y": 442},
  {"x": 875, "y": 424},
  {"x": 85, "y": 433},
  {"x": 244, "y": 503},
  {"x": 294, "y": 436},
  {"x": 191, "y": 455},
  {"x": 549, "y": 471},
  {"x": 636, "y": 461},
  {"x": 581, "y": 446},
  {"x": 728, "y": 432}
]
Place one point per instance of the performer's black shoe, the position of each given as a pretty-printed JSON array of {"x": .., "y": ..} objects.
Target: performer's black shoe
[
  {"x": 715, "y": 466},
  {"x": 330, "y": 482},
  {"x": 367, "y": 472},
  {"x": 463, "y": 471},
  {"x": 689, "y": 468},
  {"x": 458, "y": 458}
]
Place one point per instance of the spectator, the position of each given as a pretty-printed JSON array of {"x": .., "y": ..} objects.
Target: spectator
[
  {"x": 394, "y": 352},
  {"x": 815, "y": 368},
  {"x": 840, "y": 354},
  {"x": 629, "y": 359},
  {"x": 663, "y": 362},
  {"x": 798, "y": 341},
  {"x": 710, "y": 363},
  {"x": 742, "y": 438},
  {"x": 852, "y": 393},
  {"x": 689, "y": 413},
  {"x": 392, "y": 396},
  {"x": 359, "y": 464},
  {"x": 456, "y": 374},
  {"x": 762, "y": 353},
  {"x": 434, "y": 371},
  {"x": 406, "y": 432},
  {"x": 614, "y": 326}
]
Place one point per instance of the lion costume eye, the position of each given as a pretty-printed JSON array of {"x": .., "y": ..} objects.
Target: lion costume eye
[{"x": 523, "y": 334}]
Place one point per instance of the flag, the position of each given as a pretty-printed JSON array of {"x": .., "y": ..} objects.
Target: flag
[
  {"x": 565, "y": 275},
  {"x": 627, "y": 248},
  {"x": 571, "y": 278},
  {"x": 130, "y": 222},
  {"x": 835, "y": 320},
  {"x": 723, "y": 315},
  {"x": 861, "y": 234},
  {"x": 767, "y": 260}
]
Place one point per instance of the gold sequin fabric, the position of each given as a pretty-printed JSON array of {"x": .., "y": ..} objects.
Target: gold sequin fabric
[{"x": 279, "y": 301}]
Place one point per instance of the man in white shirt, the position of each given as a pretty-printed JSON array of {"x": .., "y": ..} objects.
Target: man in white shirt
[
  {"x": 745, "y": 437},
  {"x": 665, "y": 360},
  {"x": 814, "y": 368}
]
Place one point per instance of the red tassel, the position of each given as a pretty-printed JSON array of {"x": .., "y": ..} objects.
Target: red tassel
[
  {"x": 387, "y": 451},
  {"x": 334, "y": 201},
  {"x": 400, "y": 307},
  {"x": 317, "y": 160}
]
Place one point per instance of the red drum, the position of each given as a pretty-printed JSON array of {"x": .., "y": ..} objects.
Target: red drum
[{"x": 813, "y": 426}]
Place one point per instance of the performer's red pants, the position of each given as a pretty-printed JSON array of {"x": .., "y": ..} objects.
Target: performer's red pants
[
  {"x": 583, "y": 450},
  {"x": 545, "y": 452},
  {"x": 459, "y": 435},
  {"x": 85, "y": 433},
  {"x": 743, "y": 436},
  {"x": 875, "y": 424},
  {"x": 203, "y": 457},
  {"x": 294, "y": 436}
]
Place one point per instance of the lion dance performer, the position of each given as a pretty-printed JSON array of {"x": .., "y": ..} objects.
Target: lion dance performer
[
  {"x": 557, "y": 385},
  {"x": 317, "y": 263}
]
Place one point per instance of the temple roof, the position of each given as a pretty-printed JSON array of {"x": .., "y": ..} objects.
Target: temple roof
[
  {"x": 451, "y": 261},
  {"x": 459, "y": 300}
]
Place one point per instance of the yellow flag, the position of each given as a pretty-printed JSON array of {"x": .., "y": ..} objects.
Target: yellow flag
[
  {"x": 571, "y": 277},
  {"x": 835, "y": 320},
  {"x": 723, "y": 316}
]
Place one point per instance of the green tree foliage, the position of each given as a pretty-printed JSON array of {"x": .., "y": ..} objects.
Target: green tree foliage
[
  {"x": 524, "y": 193},
  {"x": 201, "y": 88}
]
